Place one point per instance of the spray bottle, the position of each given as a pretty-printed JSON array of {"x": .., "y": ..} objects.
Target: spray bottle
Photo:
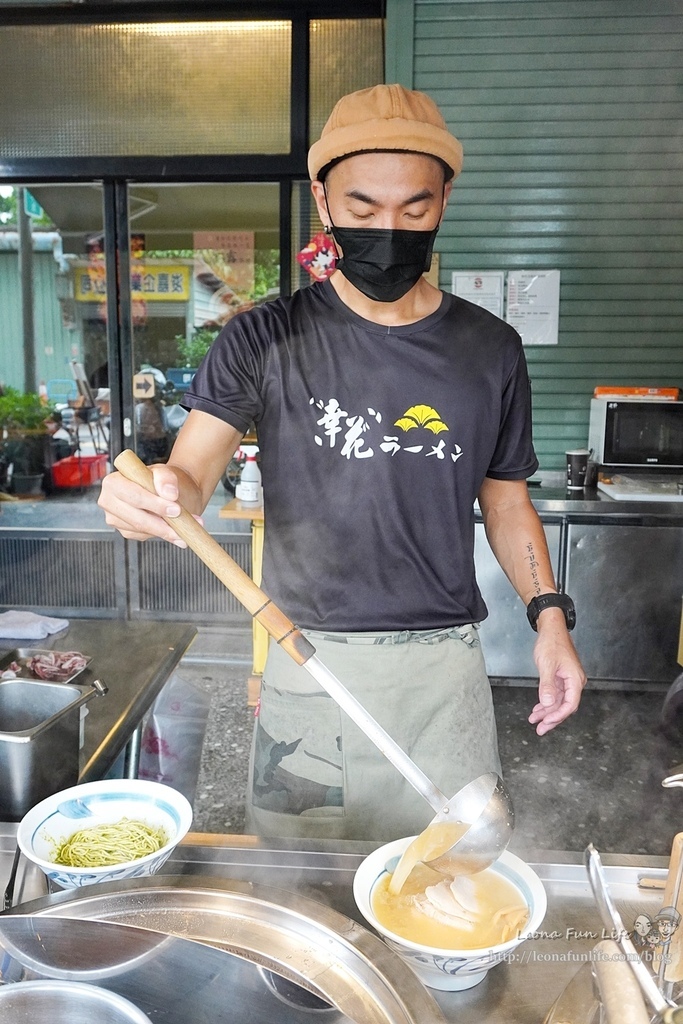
[{"x": 249, "y": 487}]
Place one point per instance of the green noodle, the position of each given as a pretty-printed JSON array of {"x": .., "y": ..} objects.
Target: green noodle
[{"x": 105, "y": 845}]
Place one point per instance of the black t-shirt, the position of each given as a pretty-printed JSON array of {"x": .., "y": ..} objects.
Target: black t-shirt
[{"x": 374, "y": 443}]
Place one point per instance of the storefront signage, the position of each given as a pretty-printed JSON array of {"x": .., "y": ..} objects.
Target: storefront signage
[
  {"x": 223, "y": 275},
  {"x": 32, "y": 207},
  {"x": 169, "y": 283}
]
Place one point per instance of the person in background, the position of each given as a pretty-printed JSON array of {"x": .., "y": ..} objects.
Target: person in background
[
  {"x": 61, "y": 441},
  {"x": 384, "y": 408}
]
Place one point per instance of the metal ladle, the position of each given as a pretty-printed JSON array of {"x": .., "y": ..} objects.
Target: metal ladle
[{"x": 484, "y": 804}]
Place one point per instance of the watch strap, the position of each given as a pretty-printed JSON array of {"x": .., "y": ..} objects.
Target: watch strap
[{"x": 538, "y": 604}]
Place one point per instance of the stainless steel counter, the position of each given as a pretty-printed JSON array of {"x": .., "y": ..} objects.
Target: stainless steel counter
[
  {"x": 555, "y": 504},
  {"x": 134, "y": 659},
  {"x": 622, "y": 563},
  {"x": 520, "y": 991}
]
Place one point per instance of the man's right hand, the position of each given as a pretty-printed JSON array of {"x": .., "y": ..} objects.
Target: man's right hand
[
  {"x": 187, "y": 480},
  {"x": 137, "y": 513}
]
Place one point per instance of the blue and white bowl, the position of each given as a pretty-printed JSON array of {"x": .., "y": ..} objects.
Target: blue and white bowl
[
  {"x": 449, "y": 969},
  {"x": 47, "y": 825}
]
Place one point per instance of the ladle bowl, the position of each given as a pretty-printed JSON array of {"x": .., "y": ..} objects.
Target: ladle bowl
[{"x": 485, "y": 804}]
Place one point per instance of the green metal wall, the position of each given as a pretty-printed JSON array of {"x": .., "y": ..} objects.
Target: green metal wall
[
  {"x": 571, "y": 117},
  {"x": 53, "y": 341},
  {"x": 11, "y": 344}
]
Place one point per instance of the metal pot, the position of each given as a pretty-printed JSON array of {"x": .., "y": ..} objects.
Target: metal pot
[{"x": 66, "y": 1002}]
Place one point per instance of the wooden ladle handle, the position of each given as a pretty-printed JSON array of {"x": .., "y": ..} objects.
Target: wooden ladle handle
[{"x": 224, "y": 567}]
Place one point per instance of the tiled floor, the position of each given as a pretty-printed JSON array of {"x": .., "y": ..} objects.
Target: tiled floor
[{"x": 595, "y": 779}]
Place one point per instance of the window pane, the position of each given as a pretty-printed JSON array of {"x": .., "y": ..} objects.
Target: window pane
[
  {"x": 305, "y": 226},
  {"x": 346, "y": 55},
  {"x": 53, "y": 339},
  {"x": 199, "y": 255},
  {"x": 145, "y": 89}
]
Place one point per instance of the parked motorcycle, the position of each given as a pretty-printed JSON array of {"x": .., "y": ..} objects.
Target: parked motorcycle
[{"x": 158, "y": 418}]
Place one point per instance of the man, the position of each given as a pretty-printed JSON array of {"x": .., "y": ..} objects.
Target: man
[
  {"x": 384, "y": 408},
  {"x": 666, "y": 922}
]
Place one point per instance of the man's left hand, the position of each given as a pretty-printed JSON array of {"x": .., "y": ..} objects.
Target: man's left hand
[{"x": 561, "y": 677}]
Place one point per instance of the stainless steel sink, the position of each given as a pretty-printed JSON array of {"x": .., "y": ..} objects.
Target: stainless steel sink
[{"x": 40, "y": 736}]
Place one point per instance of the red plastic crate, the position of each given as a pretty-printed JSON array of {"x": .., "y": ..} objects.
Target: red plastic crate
[{"x": 79, "y": 470}]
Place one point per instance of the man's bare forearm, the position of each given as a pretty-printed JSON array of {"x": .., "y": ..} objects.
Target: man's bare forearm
[
  {"x": 189, "y": 492},
  {"x": 516, "y": 536},
  {"x": 202, "y": 450}
]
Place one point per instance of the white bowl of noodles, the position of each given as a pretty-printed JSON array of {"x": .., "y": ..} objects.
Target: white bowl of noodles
[{"x": 104, "y": 831}]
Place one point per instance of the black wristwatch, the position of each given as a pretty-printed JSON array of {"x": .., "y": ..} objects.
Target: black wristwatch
[{"x": 538, "y": 604}]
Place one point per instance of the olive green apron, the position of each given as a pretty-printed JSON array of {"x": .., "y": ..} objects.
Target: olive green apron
[{"x": 313, "y": 773}]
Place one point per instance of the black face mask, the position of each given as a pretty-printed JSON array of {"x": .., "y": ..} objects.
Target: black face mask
[{"x": 384, "y": 263}]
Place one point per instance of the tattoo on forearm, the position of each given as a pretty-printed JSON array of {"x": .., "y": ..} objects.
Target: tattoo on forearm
[{"x": 533, "y": 565}]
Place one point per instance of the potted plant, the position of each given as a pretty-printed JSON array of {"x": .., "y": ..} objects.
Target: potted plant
[
  {"x": 24, "y": 438},
  {"x": 191, "y": 351}
]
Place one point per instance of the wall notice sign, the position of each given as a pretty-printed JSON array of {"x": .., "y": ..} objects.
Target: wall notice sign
[
  {"x": 483, "y": 289},
  {"x": 533, "y": 305}
]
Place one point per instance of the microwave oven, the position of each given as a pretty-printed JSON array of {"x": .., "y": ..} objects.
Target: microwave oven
[{"x": 636, "y": 432}]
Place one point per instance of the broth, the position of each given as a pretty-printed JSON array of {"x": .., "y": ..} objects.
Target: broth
[
  {"x": 485, "y": 909},
  {"x": 430, "y": 844}
]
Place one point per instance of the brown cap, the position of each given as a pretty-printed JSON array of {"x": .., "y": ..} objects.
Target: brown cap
[{"x": 385, "y": 117}]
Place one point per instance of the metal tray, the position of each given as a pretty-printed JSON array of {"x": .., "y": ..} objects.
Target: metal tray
[
  {"x": 319, "y": 951},
  {"x": 24, "y": 654}
]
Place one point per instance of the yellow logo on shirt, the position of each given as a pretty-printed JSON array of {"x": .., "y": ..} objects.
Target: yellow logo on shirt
[{"x": 421, "y": 416}]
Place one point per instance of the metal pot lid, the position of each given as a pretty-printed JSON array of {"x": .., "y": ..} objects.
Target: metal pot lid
[
  {"x": 174, "y": 980},
  {"x": 298, "y": 954}
]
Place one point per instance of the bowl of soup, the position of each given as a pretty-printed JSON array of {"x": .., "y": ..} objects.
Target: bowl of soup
[
  {"x": 451, "y": 931},
  {"x": 104, "y": 831}
]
